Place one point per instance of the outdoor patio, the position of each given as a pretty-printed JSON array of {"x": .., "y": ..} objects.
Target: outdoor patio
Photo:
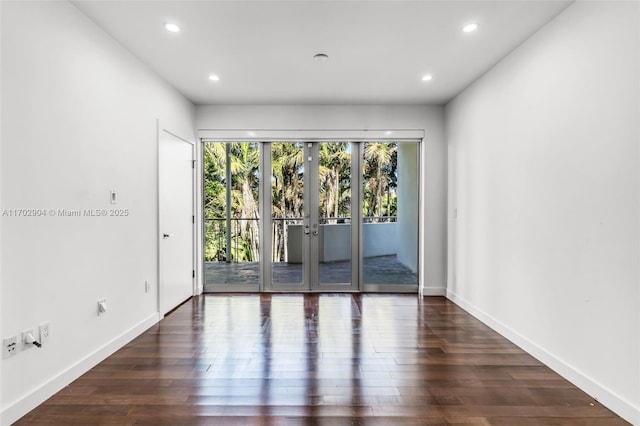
[{"x": 377, "y": 270}]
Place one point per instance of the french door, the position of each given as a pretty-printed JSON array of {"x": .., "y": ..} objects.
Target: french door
[
  {"x": 311, "y": 216},
  {"x": 313, "y": 239}
]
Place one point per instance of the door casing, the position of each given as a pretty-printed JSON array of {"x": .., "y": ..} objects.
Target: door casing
[{"x": 264, "y": 137}]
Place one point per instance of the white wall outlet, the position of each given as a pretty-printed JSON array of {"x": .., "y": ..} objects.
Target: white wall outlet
[
  {"x": 147, "y": 287},
  {"x": 9, "y": 346},
  {"x": 25, "y": 343},
  {"x": 45, "y": 331},
  {"x": 102, "y": 307}
]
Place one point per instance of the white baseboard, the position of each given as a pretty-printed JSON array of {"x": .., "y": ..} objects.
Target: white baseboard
[
  {"x": 434, "y": 291},
  {"x": 624, "y": 408},
  {"x": 21, "y": 407}
]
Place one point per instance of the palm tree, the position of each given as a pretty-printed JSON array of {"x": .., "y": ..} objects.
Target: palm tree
[
  {"x": 380, "y": 161},
  {"x": 335, "y": 164},
  {"x": 245, "y": 163},
  {"x": 278, "y": 201},
  {"x": 287, "y": 193},
  {"x": 379, "y": 168},
  {"x": 214, "y": 202}
]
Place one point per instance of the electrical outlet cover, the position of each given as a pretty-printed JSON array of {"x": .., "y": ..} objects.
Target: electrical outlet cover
[
  {"x": 45, "y": 330},
  {"x": 9, "y": 347}
]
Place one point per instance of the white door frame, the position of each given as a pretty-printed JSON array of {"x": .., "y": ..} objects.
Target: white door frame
[{"x": 331, "y": 135}]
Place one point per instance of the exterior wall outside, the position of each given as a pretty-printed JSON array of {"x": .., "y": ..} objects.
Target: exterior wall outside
[
  {"x": 379, "y": 239},
  {"x": 408, "y": 208}
]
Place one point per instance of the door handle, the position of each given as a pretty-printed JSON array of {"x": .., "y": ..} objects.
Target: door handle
[
  {"x": 165, "y": 236},
  {"x": 315, "y": 232},
  {"x": 306, "y": 231}
]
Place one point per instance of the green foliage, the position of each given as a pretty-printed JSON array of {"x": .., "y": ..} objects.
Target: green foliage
[
  {"x": 335, "y": 181},
  {"x": 243, "y": 158},
  {"x": 380, "y": 181},
  {"x": 287, "y": 177}
]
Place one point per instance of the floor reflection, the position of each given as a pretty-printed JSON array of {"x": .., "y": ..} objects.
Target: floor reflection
[
  {"x": 282, "y": 350},
  {"x": 320, "y": 359}
]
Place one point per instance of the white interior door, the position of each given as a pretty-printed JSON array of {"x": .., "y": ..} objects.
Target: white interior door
[{"x": 175, "y": 164}]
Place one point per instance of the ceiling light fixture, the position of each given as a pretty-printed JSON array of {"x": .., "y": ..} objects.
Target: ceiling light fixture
[
  {"x": 469, "y": 28},
  {"x": 321, "y": 57},
  {"x": 427, "y": 77},
  {"x": 252, "y": 134},
  {"x": 172, "y": 27},
  {"x": 214, "y": 77}
]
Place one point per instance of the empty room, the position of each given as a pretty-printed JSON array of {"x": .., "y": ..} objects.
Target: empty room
[{"x": 301, "y": 212}]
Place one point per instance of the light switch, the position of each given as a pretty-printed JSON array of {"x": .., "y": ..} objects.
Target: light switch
[
  {"x": 102, "y": 307},
  {"x": 114, "y": 197}
]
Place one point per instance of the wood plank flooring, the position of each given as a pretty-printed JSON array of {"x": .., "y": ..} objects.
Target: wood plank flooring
[{"x": 320, "y": 359}]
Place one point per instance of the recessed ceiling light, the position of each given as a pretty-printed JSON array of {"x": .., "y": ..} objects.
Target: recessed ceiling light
[
  {"x": 427, "y": 77},
  {"x": 172, "y": 27},
  {"x": 214, "y": 77},
  {"x": 469, "y": 28},
  {"x": 388, "y": 132},
  {"x": 321, "y": 57},
  {"x": 251, "y": 133}
]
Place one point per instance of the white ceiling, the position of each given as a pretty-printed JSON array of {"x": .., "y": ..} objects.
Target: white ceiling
[{"x": 378, "y": 50}]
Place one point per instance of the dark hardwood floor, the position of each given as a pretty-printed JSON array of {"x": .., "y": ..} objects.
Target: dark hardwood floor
[{"x": 316, "y": 359}]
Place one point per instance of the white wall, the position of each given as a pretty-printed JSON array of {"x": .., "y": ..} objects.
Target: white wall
[
  {"x": 359, "y": 117},
  {"x": 1, "y": 336},
  {"x": 544, "y": 172},
  {"x": 408, "y": 205},
  {"x": 79, "y": 119}
]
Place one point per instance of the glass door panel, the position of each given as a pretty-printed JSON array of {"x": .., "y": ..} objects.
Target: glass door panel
[
  {"x": 390, "y": 176},
  {"x": 334, "y": 211},
  {"x": 231, "y": 180},
  {"x": 287, "y": 215},
  {"x": 329, "y": 229},
  {"x": 311, "y": 225}
]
